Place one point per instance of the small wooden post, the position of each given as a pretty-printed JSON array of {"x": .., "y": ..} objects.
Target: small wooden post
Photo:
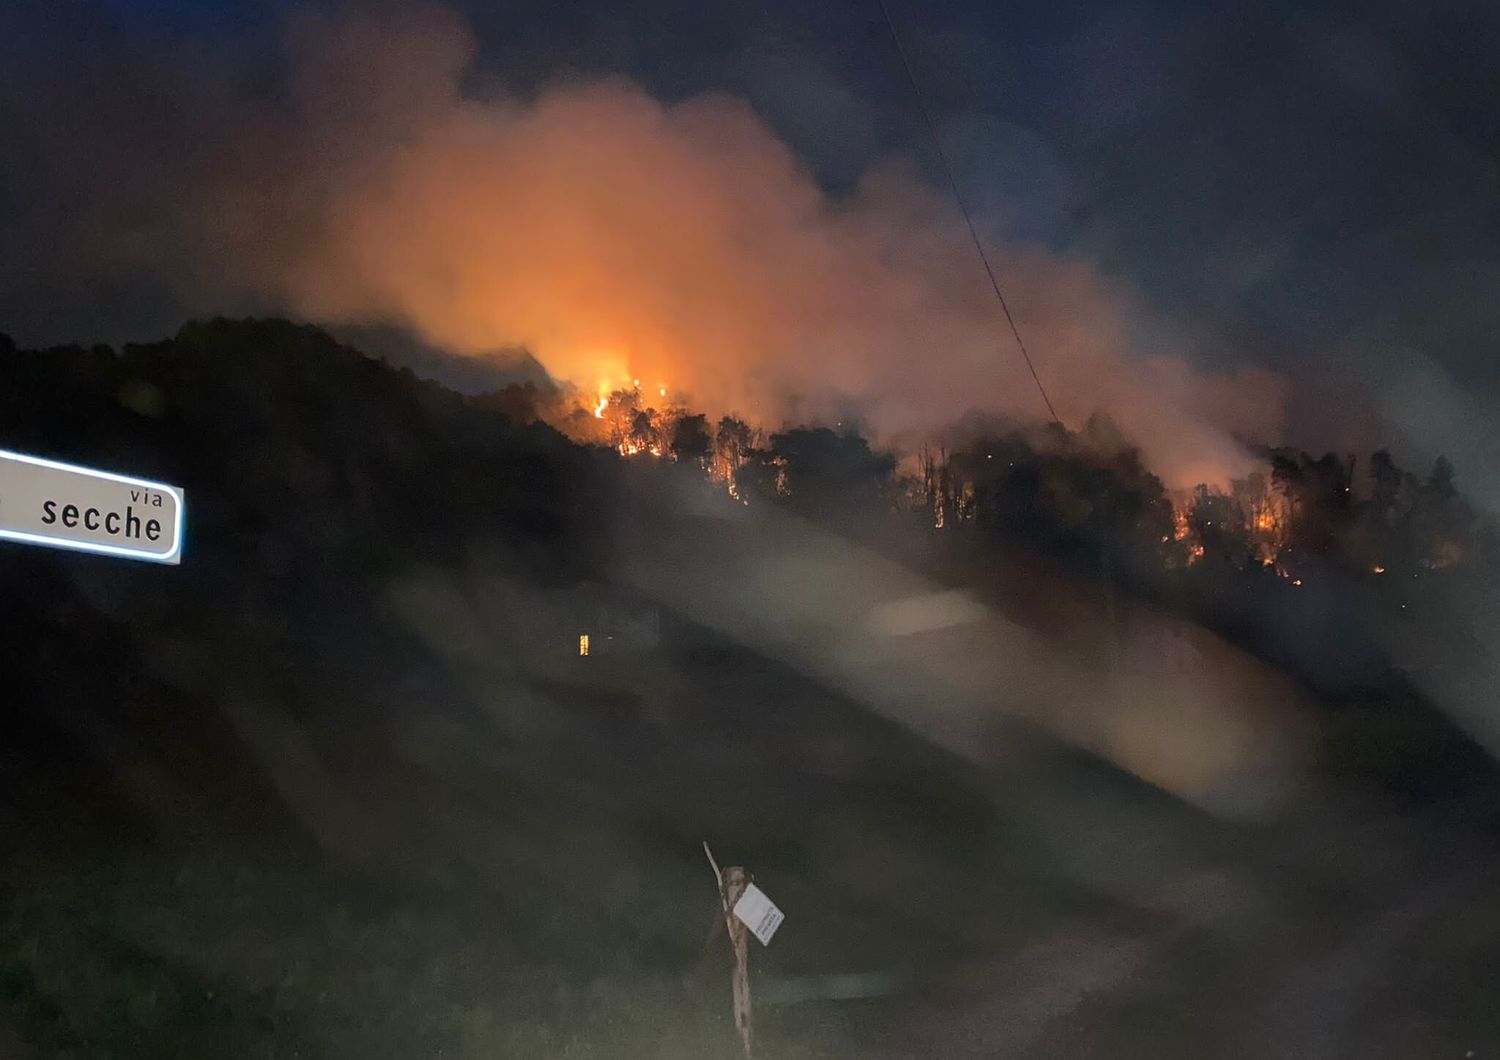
[
  {"x": 735, "y": 880},
  {"x": 732, "y": 883}
]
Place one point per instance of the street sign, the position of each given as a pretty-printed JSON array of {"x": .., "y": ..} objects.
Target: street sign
[{"x": 47, "y": 502}]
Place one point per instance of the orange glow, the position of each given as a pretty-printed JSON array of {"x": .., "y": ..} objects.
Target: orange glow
[{"x": 615, "y": 235}]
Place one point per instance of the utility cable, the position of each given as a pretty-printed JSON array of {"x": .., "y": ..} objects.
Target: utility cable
[{"x": 963, "y": 206}]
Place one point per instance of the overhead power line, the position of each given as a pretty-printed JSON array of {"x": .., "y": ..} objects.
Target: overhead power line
[{"x": 963, "y": 205}]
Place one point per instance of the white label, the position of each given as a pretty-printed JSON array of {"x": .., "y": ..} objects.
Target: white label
[
  {"x": 758, "y": 913},
  {"x": 46, "y": 502}
]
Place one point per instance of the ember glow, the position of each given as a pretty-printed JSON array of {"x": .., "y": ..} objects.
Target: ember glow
[{"x": 1180, "y": 530}]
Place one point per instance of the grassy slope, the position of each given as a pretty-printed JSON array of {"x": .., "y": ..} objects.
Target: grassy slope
[
  {"x": 337, "y": 787},
  {"x": 326, "y": 789}
]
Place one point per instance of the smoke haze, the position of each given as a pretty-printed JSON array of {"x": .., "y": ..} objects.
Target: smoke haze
[{"x": 618, "y": 238}]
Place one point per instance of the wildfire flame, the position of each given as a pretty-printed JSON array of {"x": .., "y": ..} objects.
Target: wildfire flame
[{"x": 601, "y": 406}]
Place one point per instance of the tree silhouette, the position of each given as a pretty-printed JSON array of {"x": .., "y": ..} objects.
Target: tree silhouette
[
  {"x": 821, "y": 470},
  {"x": 1320, "y": 497},
  {"x": 1219, "y": 524},
  {"x": 1442, "y": 522},
  {"x": 690, "y": 438}
]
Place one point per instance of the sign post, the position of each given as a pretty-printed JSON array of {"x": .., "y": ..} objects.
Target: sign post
[
  {"x": 48, "y": 502},
  {"x": 735, "y": 880},
  {"x": 747, "y": 911}
]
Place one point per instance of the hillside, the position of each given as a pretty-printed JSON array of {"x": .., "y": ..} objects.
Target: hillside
[
  {"x": 341, "y": 786},
  {"x": 325, "y": 789}
]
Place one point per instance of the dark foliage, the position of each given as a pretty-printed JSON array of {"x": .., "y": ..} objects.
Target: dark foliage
[
  {"x": 690, "y": 438},
  {"x": 304, "y": 453},
  {"x": 816, "y": 470}
]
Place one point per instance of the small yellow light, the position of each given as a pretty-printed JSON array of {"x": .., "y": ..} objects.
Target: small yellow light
[{"x": 583, "y": 644}]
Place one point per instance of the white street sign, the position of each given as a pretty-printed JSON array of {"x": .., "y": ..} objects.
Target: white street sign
[
  {"x": 47, "y": 502},
  {"x": 758, "y": 913}
]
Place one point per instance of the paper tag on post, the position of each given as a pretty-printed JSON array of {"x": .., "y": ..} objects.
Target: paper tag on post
[{"x": 758, "y": 913}]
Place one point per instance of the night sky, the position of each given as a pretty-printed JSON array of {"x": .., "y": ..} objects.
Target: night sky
[{"x": 1311, "y": 190}]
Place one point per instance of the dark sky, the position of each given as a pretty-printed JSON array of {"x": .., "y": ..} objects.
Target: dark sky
[{"x": 1311, "y": 188}]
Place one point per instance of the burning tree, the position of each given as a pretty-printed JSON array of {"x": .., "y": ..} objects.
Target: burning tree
[
  {"x": 1319, "y": 495},
  {"x": 1219, "y": 528},
  {"x": 936, "y": 494},
  {"x": 734, "y": 442},
  {"x": 1084, "y": 493},
  {"x": 644, "y": 434},
  {"x": 1265, "y": 514}
]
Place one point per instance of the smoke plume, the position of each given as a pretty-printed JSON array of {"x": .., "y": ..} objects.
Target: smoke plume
[{"x": 620, "y": 238}]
